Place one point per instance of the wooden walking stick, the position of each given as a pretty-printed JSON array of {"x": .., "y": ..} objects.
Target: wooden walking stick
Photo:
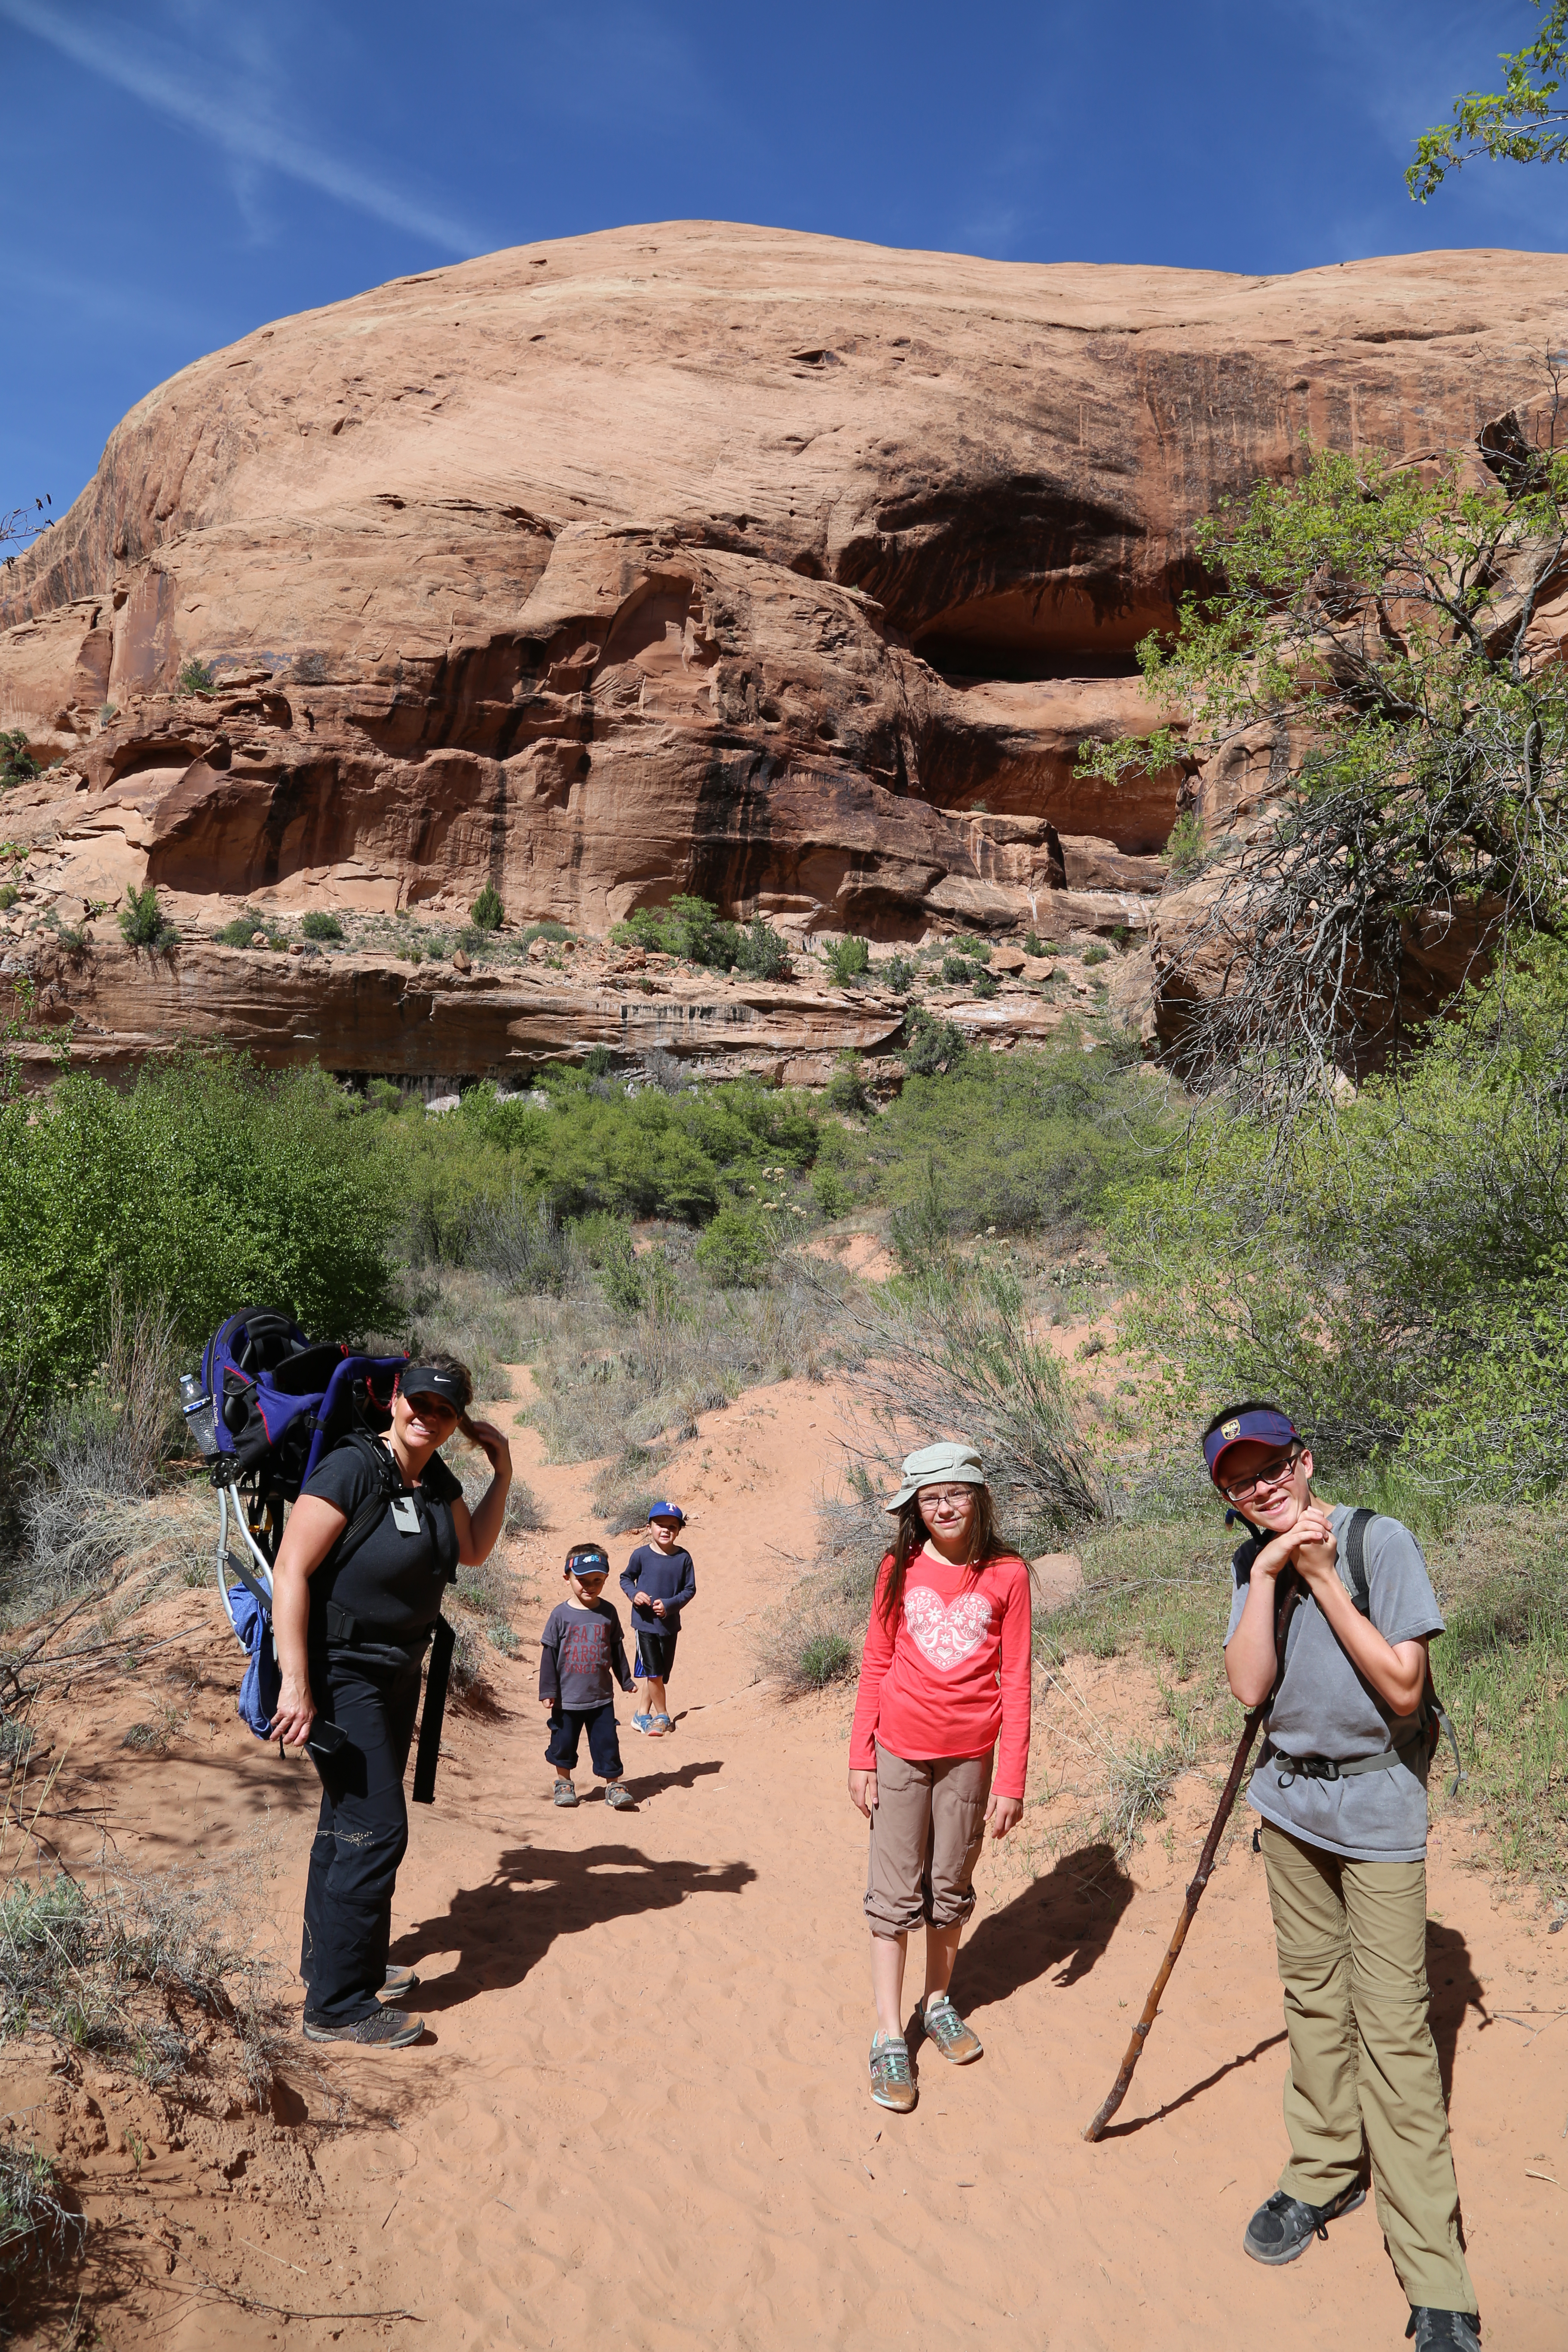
[{"x": 1285, "y": 1604}]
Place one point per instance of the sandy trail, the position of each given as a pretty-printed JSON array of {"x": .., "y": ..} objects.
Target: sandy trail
[{"x": 640, "y": 2113}]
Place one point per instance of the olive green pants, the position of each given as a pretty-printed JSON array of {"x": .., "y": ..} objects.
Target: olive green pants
[{"x": 1353, "y": 1960}]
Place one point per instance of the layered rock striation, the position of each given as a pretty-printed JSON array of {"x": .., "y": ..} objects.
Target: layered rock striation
[{"x": 789, "y": 572}]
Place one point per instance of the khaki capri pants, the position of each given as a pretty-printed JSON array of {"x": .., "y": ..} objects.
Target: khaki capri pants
[{"x": 927, "y": 1828}]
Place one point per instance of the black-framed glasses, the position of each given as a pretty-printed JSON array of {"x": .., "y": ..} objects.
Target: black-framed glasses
[{"x": 1274, "y": 1474}]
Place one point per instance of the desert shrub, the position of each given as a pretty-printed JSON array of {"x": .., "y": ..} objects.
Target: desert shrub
[
  {"x": 832, "y": 1195},
  {"x": 206, "y": 1183},
  {"x": 931, "y": 1046},
  {"x": 17, "y": 762},
  {"x": 521, "y": 1242},
  {"x": 198, "y": 677},
  {"x": 1030, "y": 1141},
  {"x": 143, "y": 923},
  {"x": 488, "y": 912},
  {"x": 984, "y": 985},
  {"x": 524, "y": 1511},
  {"x": 33, "y": 2218},
  {"x": 1096, "y": 954},
  {"x": 897, "y": 973},
  {"x": 240, "y": 930},
  {"x": 1395, "y": 1274},
  {"x": 845, "y": 1090},
  {"x": 9, "y": 894},
  {"x": 957, "y": 971},
  {"x": 847, "y": 960},
  {"x": 1036, "y": 945},
  {"x": 555, "y": 934},
  {"x": 735, "y": 1247},
  {"x": 689, "y": 927},
  {"x": 764, "y": 953},
  {"x": 1185, "y": 848},
  {"x": 317, "y": 924}
]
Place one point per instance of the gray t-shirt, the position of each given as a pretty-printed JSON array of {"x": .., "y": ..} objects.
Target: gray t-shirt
[{"x": 1326, "y": 1707}]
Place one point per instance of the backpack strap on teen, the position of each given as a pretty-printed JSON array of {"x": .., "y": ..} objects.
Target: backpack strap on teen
[{"x": 1432, "y": 1713}]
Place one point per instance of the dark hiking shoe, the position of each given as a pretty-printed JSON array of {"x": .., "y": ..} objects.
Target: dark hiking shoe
[
  {"x": 1440, "y": 2329},
  {"x": 892, "y": 2085},
  {"x": 945, "y": 2026},
  {"x": 1283, "y": 2229},
  {"x": 400, "y": 1983},
  {"x": 384, "y": 2030}
]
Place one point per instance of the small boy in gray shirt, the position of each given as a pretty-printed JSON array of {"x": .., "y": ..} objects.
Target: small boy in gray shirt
[{"x": 582, "y": 1656}]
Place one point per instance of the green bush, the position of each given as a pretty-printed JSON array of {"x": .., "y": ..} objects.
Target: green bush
[
  {"x": 847, "y": 961},
  {"x": 198, "y": 677},
  {"x": 207, "y": 1184},
  {"x": 1096, "y": 954},
  {"x": 1184, "y": 847},
  {"x": 985, "y": 986},
  {"x": 823, "y": 1658},
  {"x": 488, "y": 912},
  {"x": 1036, "y": 945},
  {"x": 694, "y": 930},
  {"x": 845, "y": 1090},
  {"x": 932, "y": 1045},
  {"x": 831, "y": 1193},
  {"x": 896, "y": 973},
  {"x": 17, "y": 762},
  {"x": 979, "y": 950},
  {"x": 957, "y": 971},
  {"x": 734, "y": 1248},
  {"x": 241, "y": 930},
  {"x": 9, "y": 894},
  {"x": 319, "y": 924},
  {"x": 764, "y": 953},
  {"x": 143, "y": 922}
]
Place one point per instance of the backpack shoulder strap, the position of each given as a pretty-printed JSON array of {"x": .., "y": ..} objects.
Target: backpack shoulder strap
[
  {"x": 1353, "y": 1562},
  {"x": 372, "y": 1511}
]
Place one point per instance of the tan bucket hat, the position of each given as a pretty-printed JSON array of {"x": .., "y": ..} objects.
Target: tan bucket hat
[{"x": 949, "y": 1464}]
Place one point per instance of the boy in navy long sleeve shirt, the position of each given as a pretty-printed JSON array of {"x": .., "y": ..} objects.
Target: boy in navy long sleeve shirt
[{"x": 659, "y": 1582}]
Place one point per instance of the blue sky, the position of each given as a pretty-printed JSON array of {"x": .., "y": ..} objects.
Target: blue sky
[{"x": 177, "y": 172}]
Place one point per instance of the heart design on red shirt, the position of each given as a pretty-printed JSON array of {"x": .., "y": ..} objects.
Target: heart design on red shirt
[{"x": 946, "y": 1633}]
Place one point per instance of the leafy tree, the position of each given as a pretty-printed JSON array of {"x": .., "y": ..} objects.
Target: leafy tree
[
  {"x": 486, "y": 911},
  {"x": 17, "y": 762},
  {"x": 1371, "y": 641},
  {"x": 1522, "y": 123}
]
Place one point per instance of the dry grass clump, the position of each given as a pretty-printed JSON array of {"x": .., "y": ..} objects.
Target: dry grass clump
[
  {"x": 33, "y": 2219},
  {"x": 134, "y": 1968}
]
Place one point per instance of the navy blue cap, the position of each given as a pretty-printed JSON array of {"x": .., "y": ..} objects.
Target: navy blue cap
[
  {"x": 1255, "y": 1428},
  {"x": 587, "y": 1559},
  {"x": 667, "y": 1511}
]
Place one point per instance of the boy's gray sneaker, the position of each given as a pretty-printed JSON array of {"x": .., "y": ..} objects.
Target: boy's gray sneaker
[
  {"x": 892, "y": 2085},
  {"x": 1283, "y": 2229},
  {"x": 1437, "y": 2331},
  {"x": 620, "y": 1797},
  {"x": 565, "y": 1794},
  {"x": 952, "y": 2037}
]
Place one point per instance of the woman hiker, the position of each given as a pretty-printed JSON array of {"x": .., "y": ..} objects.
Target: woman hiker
[
  {"x": 351, "y": 1635},
  {"x": 944, "y": 1673},
  {"x": 1342, "y": 1787}
]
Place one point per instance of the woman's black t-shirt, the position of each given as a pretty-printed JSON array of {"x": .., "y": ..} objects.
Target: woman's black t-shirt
[{"x": 390, "y": 1589}]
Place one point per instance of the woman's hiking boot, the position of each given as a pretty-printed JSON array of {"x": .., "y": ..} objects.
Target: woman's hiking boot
[
  {"x": 892, "y": 2085},
  {"x": 400, "y": 1983},
  {"x": 1283, "y": 2229},
  {"x": 1437, "y": 2331},
  {"x": 945, "y": 2026},
  {"x": 385, "y": 2031}
]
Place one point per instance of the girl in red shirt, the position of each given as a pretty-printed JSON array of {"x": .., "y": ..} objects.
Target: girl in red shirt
[{"x": 945, "y": 1671}]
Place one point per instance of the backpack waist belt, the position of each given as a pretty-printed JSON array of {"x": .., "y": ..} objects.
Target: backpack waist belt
[
  {"x": 345, "y": 1631},
  {"x": 1324, "y": 1768}
]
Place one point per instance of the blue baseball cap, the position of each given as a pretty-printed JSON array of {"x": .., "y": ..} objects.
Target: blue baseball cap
[
  {"x": 1261, "y": 1425},
  {"x": 587, "y": 1559},
  {"x": 667, "y": 1511}
]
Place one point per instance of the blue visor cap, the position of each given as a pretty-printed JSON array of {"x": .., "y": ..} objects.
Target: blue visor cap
[
  {"x": 1257, "y": 1428},
  {"x": 587, "y": 1559}
]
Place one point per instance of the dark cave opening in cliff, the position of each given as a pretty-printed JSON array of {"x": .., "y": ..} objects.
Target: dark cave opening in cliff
[{"x": 969, "y": 661}]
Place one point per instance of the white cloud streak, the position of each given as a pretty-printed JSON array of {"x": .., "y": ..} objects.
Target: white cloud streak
[{"x": 230, "y": 119}]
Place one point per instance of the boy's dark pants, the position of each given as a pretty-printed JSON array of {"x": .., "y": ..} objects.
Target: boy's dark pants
[
  {"x": 1352, "y": 1959},
  {"x": 566, "y": 1725},
  {"x": 361, "y": 1835}
]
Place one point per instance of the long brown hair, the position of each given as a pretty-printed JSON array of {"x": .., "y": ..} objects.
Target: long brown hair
[{"x": 983, "y": 1544}]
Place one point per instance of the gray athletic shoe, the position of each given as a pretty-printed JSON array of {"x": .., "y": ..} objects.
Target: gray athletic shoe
[
  {"x": 400, "y": 1984},
  {"x": 384, "y": 2030},
  {"x": 1282, "y": 2230},
  {"x": 565, "y": 1794},
  {"x": 952, "y": 2037},
  {"x": 1445, "y": 2331},
  {"x": 892, "y": 2085}
]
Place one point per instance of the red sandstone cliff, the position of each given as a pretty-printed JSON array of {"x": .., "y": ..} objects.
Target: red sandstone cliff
[{"x": 699, "y": 557}]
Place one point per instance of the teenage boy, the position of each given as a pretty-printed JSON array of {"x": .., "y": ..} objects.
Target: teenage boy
[
  {"x": 1342, "y": 1787},
  {"x": 659, "y": 1582},
  {"x": 582, "y": 1656}
]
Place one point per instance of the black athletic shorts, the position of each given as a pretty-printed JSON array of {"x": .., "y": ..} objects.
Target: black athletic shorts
[{"x": 657, "y": 1653}]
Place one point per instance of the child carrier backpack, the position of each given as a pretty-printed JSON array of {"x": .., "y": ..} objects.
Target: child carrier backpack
[{"x": 267, "y": 1405}]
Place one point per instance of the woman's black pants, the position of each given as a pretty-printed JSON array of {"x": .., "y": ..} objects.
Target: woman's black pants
[{"x": 361, "y": 1835}]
